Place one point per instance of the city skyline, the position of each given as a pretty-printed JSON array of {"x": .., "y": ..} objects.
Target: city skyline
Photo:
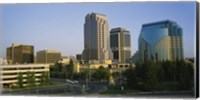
[{"x": 49, "y": 26}]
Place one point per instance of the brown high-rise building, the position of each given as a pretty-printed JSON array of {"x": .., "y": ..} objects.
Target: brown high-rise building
[{"x": 20, "y": 54}]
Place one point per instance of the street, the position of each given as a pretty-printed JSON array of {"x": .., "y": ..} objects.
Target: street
[
  {"x": 68, "y": 89},
  {"x": 93, "y": 87}
]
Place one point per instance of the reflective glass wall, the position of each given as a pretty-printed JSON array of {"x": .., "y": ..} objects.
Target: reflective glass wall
[{"x": 161, "y": 41}]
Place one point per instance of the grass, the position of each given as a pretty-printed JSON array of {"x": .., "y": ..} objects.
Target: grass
[{"x": 40, "y": 86}]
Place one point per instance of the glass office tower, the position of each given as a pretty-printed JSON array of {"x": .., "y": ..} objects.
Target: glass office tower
[{"x": 161, "y": 41}]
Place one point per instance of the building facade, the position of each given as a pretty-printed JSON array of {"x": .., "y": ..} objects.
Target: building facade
[
  {"x": 10, "y": 73},
  {"x": 78, "y": 57},
  {"x": 1, "y": 61},
  {"x": 20, "y": 54},
  {"x": 135, "y": 57},
  {"x": 161, "y": 41},
  {"x": 48, "y": 56},
  {"x": 120, "y": 43},
  {"x": 96, "y": 38},
  {"x": 64, "y": 60}
]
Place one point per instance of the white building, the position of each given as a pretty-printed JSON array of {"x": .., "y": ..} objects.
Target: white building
[
  {"x": 10, "y": 73},
  {"x": 1, "y": 61},
  {"x": 64, "y": 60}
]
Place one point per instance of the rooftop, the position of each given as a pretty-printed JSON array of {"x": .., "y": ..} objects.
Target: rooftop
[
  {"x": 118, "y": 29},
  {"x": 49, "y": 51},
  {"x": 159, "y": 22},
  {"x": 98, "y": 14},
  {"x": 17, "y": 44}
]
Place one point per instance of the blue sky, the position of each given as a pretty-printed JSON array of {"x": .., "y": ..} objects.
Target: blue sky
[{"x": 60, "y": 26}]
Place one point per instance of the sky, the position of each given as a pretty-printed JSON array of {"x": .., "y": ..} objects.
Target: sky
[{"x": 59, "y": 26}]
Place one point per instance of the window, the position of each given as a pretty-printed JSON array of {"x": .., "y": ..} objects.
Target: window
[
  {"x": 127, "y": 40},
  {"x": 114, "y": 40}
]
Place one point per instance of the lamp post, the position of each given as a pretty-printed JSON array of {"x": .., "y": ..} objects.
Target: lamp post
[
  {"x": 37, "y": 89},
  {"x": 66, "y": 76},
  {"x": 10, "y": 88},
  {"x": 86, "y": 81}
]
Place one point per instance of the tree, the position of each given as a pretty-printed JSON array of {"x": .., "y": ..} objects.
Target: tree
[
  {"x": 47, "y": 78},
  {"x": 152, "y": 74},
  {"x": 42, "y": 80},
  {"x": 160, "y": 72},
  {"x": 20, "y": 80},
  {"x": 100, "y": 74},
  {"x": 70, "y": 69},
  {"x": 32, "y": 79},
  {"x": 185, "y": 73},
  {"x": 71, "y": 65},
  {"x": 169, "y": 70},
  {"x": 76, "y": 76},
  {"x": 58, "y": 67},
  {"x": 84, "y": 74},
  {"x": 140, "y": 70},
  {"x": 29, "y": 79},
  {"x": 130, "y": 75},
  {"x": 116, "y": 75},
  {"x": 190, "y": 69}
]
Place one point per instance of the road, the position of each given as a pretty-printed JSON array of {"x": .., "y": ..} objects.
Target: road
[
  {"x": 93, "y": 87},
  {"x": 47, "y": 90},
  {"x": 96, "y": 87},
  {"x": 93, "y": 91},
  {"x": 178, "y": 94}
]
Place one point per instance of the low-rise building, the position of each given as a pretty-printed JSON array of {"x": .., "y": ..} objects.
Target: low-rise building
[
  {"x": 1, "y": 61},
  {"x": 111, "y": 68},
  {"x": 64, "y": 60},
  {"x": 92, "y": 67},
  {"x": 48, "y": 56},
  {"x": 20, "y": 54},
  {"x": 10, "y": 73}
]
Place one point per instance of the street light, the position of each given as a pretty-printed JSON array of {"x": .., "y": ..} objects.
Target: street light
[
  {"x": 86, "y": 81},
  {"x": 37, "y": 89},
  {"x": 83, "y": 88},
  {"x": 10, "y": 88}
]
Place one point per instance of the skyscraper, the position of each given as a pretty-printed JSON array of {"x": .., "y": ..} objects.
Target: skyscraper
[
  {"x": 19, "y": 53},
  {"x": 96, "y": 38},
  {"x": 161, "y": 41},
  {"x": 120, "y": 42}
]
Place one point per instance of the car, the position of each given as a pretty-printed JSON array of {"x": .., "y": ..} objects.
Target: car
[
  {"x": 67, "y": 80},
  {"x": 76, "y": 82}
]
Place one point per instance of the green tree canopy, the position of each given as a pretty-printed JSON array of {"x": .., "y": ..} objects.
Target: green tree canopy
[
  {"x": 20, "y": 80},
  {"x": 130, "y": 75},
  {"x": 84, "y": 74},
  {"x": 100, "y": 74}
]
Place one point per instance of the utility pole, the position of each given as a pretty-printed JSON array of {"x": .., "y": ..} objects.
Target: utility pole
[{"x": 86, "y": 83}]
